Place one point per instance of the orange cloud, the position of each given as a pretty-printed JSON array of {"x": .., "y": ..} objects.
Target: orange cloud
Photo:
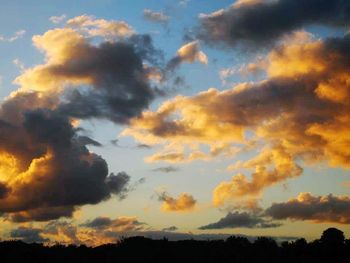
[
  {"x": 284, "y": 167},
  {"x": 185, "y": 202},
  {"x": 301, "y": 112}
]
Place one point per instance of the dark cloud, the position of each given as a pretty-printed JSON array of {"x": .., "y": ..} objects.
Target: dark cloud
[
  {"x": 263, "y": 22},
  {"x": 84, "y": 140},
  {"x": 28, "y": 235},
  {"x": 143, "y": 146},
  {"x": 99, "y": 222},
  {"x": 166, "y": 169},
  {"x": 121, "y": 88},
  {"x": 170, "y": 229},
  {"x": 120, "y": 224},
  {"x": 60, "y": 172},
  {"x": 241, "y": 220},
  {"x": 320, "y": 209},
  {"x": 117, "y": 184},
  {"x": 50, "y": 170},
  {"x": 4, "y": 190}
]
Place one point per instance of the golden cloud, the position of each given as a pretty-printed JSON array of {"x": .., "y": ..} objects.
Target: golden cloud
[
  {"x": 185, "y": 202},
  {"x": 301, "y": 112}
]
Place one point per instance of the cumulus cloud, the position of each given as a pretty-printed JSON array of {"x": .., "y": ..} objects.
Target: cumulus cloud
[
  {"x": 46, "y": 169},
  {"x": 188, "y": 53},
  {"x": 319, "y": 209},
  {"x": 118, "y": 84},
  {"x": 241, "y": 220},
  {"x": 259, "y": 23},
  {"x": 52, "y": 171},
  {"x": 183, "y": 203},
  {"x": 300, "y": 113},
  {"x": 153, "y": 16}
]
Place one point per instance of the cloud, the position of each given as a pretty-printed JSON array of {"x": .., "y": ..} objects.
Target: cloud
[
  {"x": 109, "y": 29},
  {"x": 318, "y": 209},
  {"x": 170, "y": 229},
  {"x": 185, "y": 202},
  {"x": 67, "y": 233},
  {"x": 284, "y": 167},
  {"x": 260, "y": 23},
  {"x": 240, "y": 220},
  {"x": 19, "y": 34},
  {"x": 46, "y": 169},
  {"x": 28, "y": 235},
  {"x": 57, "y": 19},
  {"x": 120, "y": 224},
  {"x": 51, "y": 172},
  {"x": 188, "y": 53},
  {"x": 156, "y": 17},
  {"x": 118, "y": 86},
  {"x": 300, "y": 113},
  {"x": 166, "y": 169}
]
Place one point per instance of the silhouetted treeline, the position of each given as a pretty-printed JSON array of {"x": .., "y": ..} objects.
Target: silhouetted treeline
[{"x": 331, "y": 247}]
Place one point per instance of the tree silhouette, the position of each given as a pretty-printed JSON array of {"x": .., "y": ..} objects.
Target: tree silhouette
[
  {"x": 332, "y": 237},
  {"x": 331, "y": 247}
]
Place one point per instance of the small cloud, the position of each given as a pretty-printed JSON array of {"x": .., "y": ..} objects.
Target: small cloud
[
  {"x": 156, "y": 17},
  {"x": 188, "y": 53},
  {"x": 166, "y": 169},
  {"x": 58, "y": 19},
  {"x": 17, "y": 35},
  {"x": 18, "y": 63},
  {"x": 185, "y": 202},
  {"x": 143, "y": 146},
  {"x": 170, "y": 229}
]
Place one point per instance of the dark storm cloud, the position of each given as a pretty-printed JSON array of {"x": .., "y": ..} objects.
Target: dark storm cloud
[
  {"x": 263, "y": 22},
  {"x": 63, "y": 175},
  {"x": 116, "y": 71},
  {"x": 51, "y": 172},
  {"x": 330, "y": 208},
  {"x": 241, "y": 220}
]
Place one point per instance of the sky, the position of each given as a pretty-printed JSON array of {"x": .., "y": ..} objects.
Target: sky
[{"x": 177, "y": 118}]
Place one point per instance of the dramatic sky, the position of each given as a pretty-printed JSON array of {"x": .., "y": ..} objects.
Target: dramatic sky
[{"x": 177, "y": 118}]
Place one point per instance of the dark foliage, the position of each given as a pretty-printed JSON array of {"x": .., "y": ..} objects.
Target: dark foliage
[{"x": 332, "y": 247}]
